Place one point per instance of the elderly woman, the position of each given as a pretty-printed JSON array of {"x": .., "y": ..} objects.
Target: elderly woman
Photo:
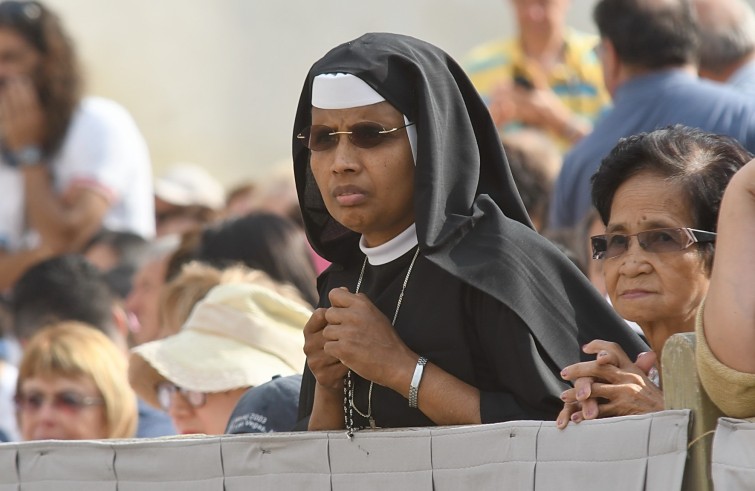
[
  {"x": 442, "y": 305},
  {"x": 73, "y": 385},
  {"x": 240, "y": 335},
  {"x": 658, "y": 195},
  {"x": 726, "y": 326}
]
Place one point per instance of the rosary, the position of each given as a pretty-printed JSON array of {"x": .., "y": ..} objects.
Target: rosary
[{"x": 348, "y": 387}]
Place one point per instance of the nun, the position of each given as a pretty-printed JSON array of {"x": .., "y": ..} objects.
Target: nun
[{"x": 442, "y": 306}]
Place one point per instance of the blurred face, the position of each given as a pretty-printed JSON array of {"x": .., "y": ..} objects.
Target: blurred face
[
  {"x": 18, "y": 58},
  {"x": 211, "y": 418},
  {"x": 144, "y": 300},
  {"x": 61, "y": 408},
  {"x": 539, "y": 14},
  {"x": 648, "y": 287},
  {"x": 368, "y": 190}
]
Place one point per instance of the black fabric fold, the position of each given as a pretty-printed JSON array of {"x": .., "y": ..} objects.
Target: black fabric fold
[{"x": 469, "y": 216}]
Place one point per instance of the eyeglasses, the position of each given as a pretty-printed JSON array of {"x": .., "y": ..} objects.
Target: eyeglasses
[
  {"x": 165, "y": 391},
  {"x": 366, "y": 134},
  {"x": 69, "y": 401},
  {"x": 656, "y": 240},
  {"x": 26, "y": 13}
]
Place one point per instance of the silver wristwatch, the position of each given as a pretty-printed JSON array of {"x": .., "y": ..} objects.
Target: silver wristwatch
[
  {"x": 27, "y": 156},
  {"x": 416, "y": 379}
]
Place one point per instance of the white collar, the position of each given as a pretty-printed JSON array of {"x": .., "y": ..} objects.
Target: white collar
[{"x": 393, "y": 249}]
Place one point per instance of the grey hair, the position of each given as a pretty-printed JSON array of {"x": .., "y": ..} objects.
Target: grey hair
[{"x": 727, "y": 33}]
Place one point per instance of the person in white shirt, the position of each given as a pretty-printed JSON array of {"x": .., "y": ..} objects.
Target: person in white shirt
[{"x": 69, "y": 166}]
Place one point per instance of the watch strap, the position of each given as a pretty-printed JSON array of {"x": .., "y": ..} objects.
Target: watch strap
[
  {"x": 416, "y": 379},
  {"x": 26, "y": 156}
]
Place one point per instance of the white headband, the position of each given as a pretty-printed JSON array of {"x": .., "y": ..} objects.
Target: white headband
[{"x": 344, "y": 91}]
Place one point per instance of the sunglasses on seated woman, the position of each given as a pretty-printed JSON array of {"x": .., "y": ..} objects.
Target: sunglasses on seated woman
[
  {"x": 165, "y": 391},
  {"x": 366, "y": 134},
  {"x": 608, "y": 246},
  {"x": 68, "y": 401}
]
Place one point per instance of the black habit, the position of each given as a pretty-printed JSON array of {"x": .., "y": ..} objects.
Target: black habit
[{"x": 490, "y": 300}]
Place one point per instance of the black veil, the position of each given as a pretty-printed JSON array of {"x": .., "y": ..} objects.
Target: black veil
[{"x": 469, "y": 216}]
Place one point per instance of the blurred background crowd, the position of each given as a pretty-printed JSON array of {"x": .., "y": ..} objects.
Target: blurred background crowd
[{"x": 150, "y": 214}]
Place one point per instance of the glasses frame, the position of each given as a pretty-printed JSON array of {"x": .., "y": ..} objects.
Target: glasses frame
[
  {"x": 694, "y": 236},
  {"x": 165, "y": 390},
  {"x": 306, "y": 133},
  {"x": 75, "y": 403}
]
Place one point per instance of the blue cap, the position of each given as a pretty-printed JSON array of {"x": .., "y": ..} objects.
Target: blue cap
[{"x": 266, "y": 408}]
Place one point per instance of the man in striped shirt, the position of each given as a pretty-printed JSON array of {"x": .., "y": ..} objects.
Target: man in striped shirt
[{"x": 547, "y": 77}]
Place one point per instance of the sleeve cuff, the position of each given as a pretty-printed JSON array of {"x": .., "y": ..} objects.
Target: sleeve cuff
[{"x": 732, "y": 391}]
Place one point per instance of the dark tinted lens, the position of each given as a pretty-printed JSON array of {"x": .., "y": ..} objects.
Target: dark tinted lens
[
  {"x": 69, "y": 400},
  {"x": 616, "y": 244},
  {"x": 662, "y": 240},
  {"x": 32, "y": 401},
  {"x": 318, "y": 137},
  {"x": 321, "y": 137},
  {"x": 366, "y": 135},
  {"x": 598, "y": 247},
  {"x": 20, "y": 14}
]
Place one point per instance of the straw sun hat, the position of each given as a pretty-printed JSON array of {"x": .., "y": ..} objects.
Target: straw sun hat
[{"x": 239, "y": 335}]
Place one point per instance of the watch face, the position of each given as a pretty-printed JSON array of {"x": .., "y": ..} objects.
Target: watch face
[{"x": 29, "y": 155}]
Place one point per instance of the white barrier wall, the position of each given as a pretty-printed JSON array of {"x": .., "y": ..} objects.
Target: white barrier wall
[
  {"x": 733, "y": 460},
  {"x": 632, "y": 453}
]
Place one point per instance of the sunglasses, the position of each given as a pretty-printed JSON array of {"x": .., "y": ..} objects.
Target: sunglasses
[
  {"x": 68, "y": 401},
  {"x": 366, "y": 134},
  {"x": 165, "y": 391},
  {"x": 657, "y": 240}
]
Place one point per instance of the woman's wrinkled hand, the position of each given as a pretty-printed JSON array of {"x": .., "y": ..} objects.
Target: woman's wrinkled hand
[{"x": 611, "y": 385}]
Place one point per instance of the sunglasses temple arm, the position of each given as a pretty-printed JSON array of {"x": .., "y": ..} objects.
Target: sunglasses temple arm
[{"x": 703, "y": 235}]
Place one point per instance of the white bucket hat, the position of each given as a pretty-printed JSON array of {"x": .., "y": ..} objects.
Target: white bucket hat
[
  {"x": 187, "y": 184},
  {"x": 239, "y": 335}
]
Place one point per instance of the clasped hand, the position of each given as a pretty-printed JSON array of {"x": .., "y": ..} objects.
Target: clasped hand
[
  {"x": 352, "y": 334},
  {"x": 533, "y": 107},
  {"x": 611, "y": 385}
]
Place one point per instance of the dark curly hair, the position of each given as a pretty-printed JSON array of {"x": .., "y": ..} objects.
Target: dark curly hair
[{"x": 702, "y": 163}]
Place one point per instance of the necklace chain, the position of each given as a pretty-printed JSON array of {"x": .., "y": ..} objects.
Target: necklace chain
[{"x": 348, "y": 388}]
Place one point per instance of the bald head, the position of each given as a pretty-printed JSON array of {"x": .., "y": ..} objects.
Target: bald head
[{"x": 727, "y": 35}]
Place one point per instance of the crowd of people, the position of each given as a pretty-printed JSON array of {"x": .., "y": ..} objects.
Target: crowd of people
[{"x": 508, "y": 237}]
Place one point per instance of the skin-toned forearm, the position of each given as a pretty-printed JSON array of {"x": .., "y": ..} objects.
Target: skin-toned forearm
[
  {"x": 729, "y": 315},
  {"x": 443, "y": 398},
  {"x": 562, "y": 121},
  {"x": 447, "y": 400},
  {"x": 327, "y": 410},
  {"x": 544, "y": 109},
  {"x": 65, "y": 227}
]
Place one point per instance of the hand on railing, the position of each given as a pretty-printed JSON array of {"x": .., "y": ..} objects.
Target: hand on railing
[{"x": 611, "y": 385}]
